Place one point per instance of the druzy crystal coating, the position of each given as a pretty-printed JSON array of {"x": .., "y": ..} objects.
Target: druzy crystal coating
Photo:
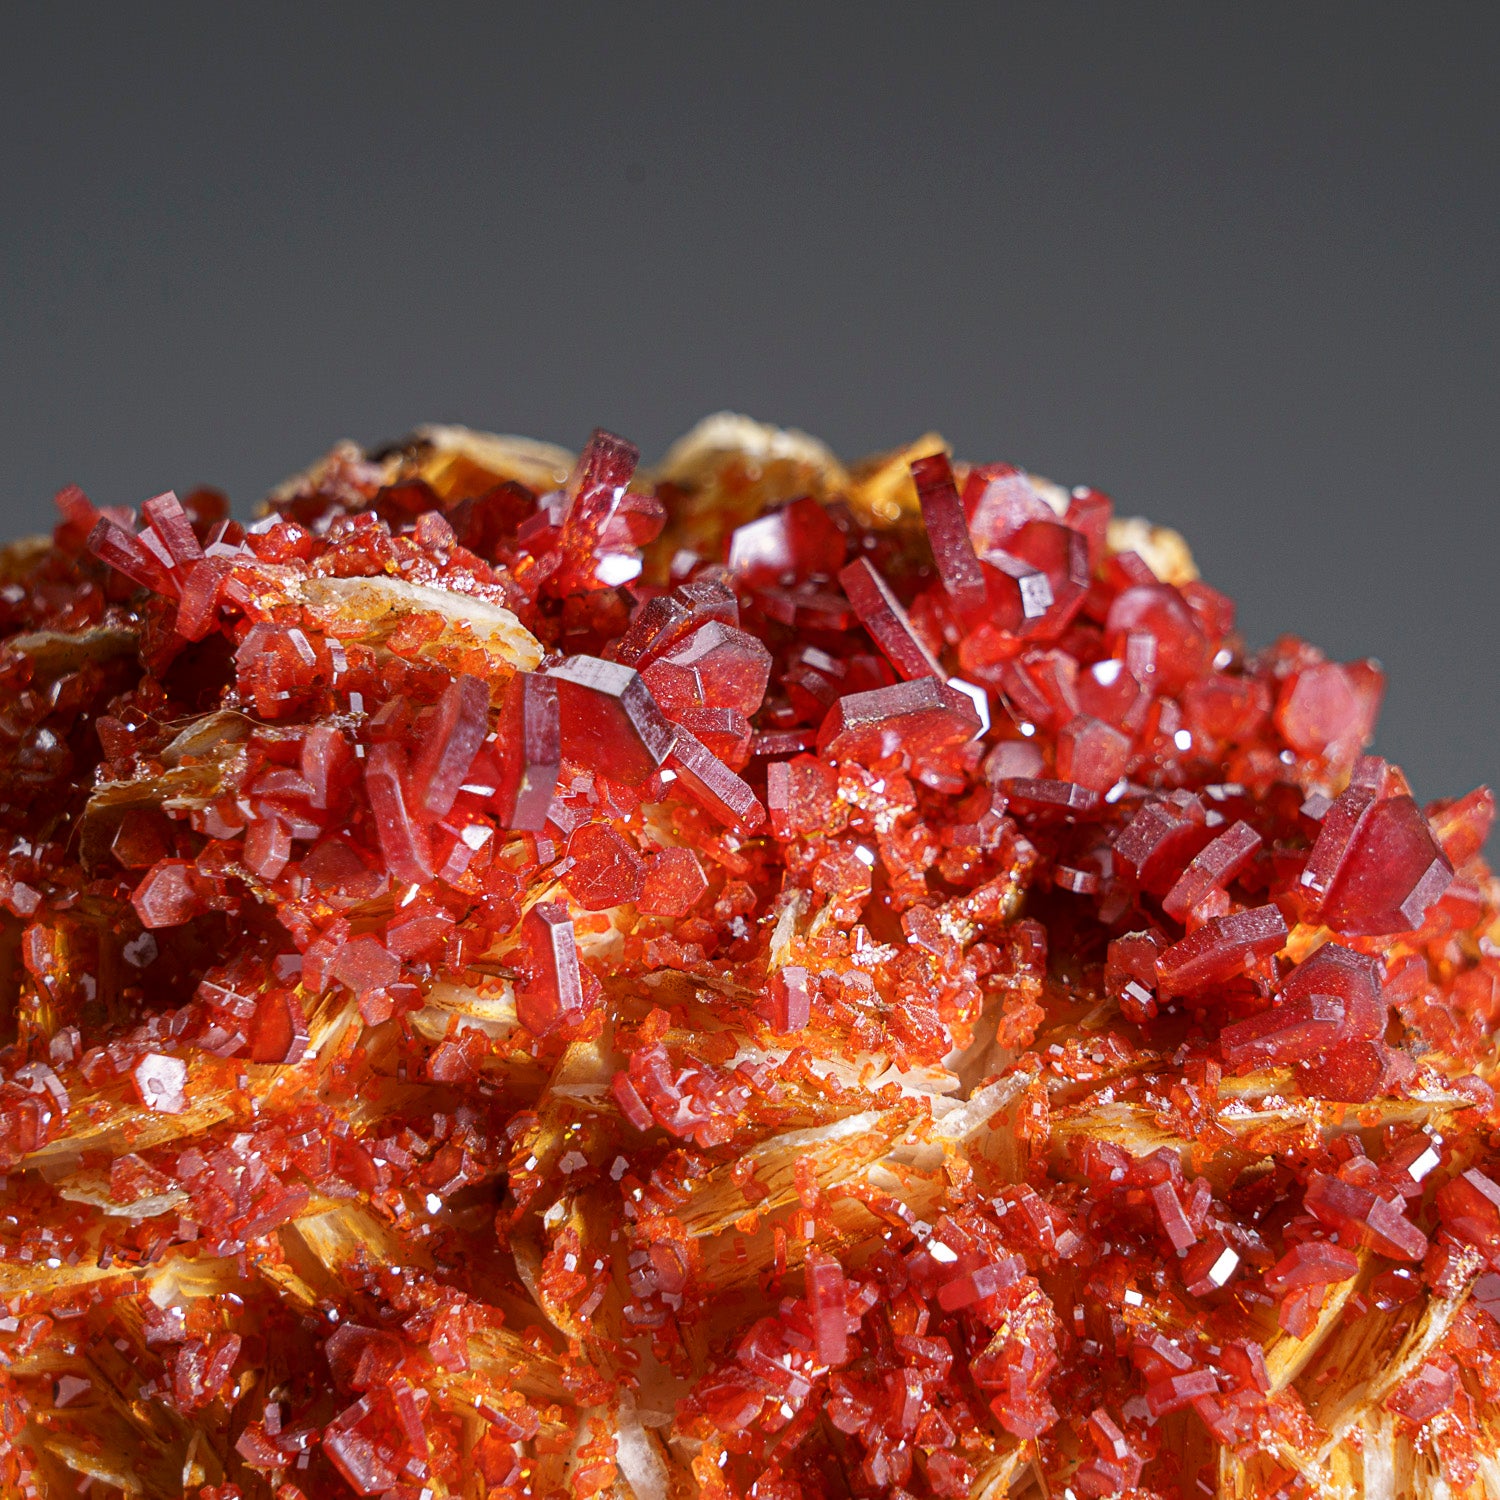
[{"x": 526, "y": 976}]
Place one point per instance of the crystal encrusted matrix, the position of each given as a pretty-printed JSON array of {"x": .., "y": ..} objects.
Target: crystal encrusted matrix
[{"x": 527, "y": 977}]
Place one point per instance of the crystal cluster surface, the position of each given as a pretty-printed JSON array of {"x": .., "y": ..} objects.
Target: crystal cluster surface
[{"x": 528, "y": 977}]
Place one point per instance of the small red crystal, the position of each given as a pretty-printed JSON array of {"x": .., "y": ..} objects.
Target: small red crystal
[
  {"x": 673, "y": 883},
  {"x": 1221, "y": 948},
  {"x": 554, "y": 993},
  {"x": 609, "y": 721},
  {"x": 880, "y": 612},
  {"x": 449, "y": 746},
  {"x": 606, "y": 870},
  {"x": 403, "y": 837},
  {"x": 531, "y": 751},
  {"x": 797, "y": 541},
  {"x": 1212, "y": 869},
  {"x": 1376, "y": 867},
  {"x": 709, "y": 781},
  {"x": 168, "y": 896},
  {"x": 1152, "y": 630},
  {"x": 948, "y": 531},
  {"x": 912, "y": 719},
  {"x": 827, "y": 1296}
]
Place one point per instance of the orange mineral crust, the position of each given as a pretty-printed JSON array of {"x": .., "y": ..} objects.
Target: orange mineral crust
[{"x": 528, "y": 977}]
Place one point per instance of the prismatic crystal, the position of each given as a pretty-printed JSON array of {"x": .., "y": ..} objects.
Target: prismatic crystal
[{"x": 526, "y": 976}]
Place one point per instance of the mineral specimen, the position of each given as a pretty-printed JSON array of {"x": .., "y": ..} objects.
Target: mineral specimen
[{"x": 524, "y": 977}]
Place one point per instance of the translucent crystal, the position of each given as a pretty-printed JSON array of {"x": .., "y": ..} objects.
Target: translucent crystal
[
  {"x": 553, "y": 992},
  {"x": 913, "y": 719},
  {"x": 549, "y": 990},
  {"x": 716, "y": 666},
  {"x": 160, "y": 1083},
  {"x": 1213, "y": 868},
  {"x": 880, "y": 612},
  {"x": 797, "y": 541},
  {"x": 1221, "y": 948},
  {"x": 1092, "y": 753},
  {"x": 530, "y": 743},
  {"x": 1376, "y": 867},
  {"x": 673, "y": 883},
  {"x": 609, "y": 721},
  {"x": 709, "y": 781},
  {"x": 1152, "y": 630},
  {"x": 948, "y": 531},
  {"x": 404, "y": 842},
  {"x": 449, "y": 746},
  {"x": 606, "y": 870}
]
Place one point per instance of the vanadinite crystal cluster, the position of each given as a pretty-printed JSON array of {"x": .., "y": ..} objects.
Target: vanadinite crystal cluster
[{"x": 528, "y": 977}]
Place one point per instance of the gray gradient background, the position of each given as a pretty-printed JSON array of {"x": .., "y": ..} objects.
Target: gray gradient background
[{"x": 1236, "y": 266}]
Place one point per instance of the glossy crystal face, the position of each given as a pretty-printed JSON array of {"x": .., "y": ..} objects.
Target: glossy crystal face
[{"x": 528, "y": 978}]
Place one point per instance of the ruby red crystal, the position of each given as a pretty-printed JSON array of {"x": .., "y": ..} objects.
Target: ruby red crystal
[
  {"x": 1329, "y": 1015},
  {"x": 606, "y": 871},
  {"x": 595, "y": 497},
  {"x": 1291, "y": 1032},
  {"x": 1314, "y": 1263},
  {"x": 1376, "y": 865},
  {"x": 1158, "y": 843},
  {"x": 609, "y": 720},
  {"x": 1092, "y": 753},
  {"x": 404, "y": 842},
  {"x": 1221, "y": 948},
  {"x": 553, "y": 991},
  {"x": 1328, "y": 710},
  {"x": 998, "y": 500},
  {"x": 912, "y": 719},
  {"x": 880, "y": 612},
  {"x": 709, "y": 781},
  {"x": 1213, "y": 868},
  {"x": 796, "y": 541},
  {"x": 827, "y": 1296},
  {"x": 1050, "y": 566},
  {"x": 449, "y": 745},
  {"x": 168, "y": 896},
  {"x": 715, "y": 666},
  {"x": 1365, "y": 1217},
  {"x": 948, "y": 531},
  {"x": 787, "y": 1002},
  {"x": 980, "y": 1282},
  {"x": 530, "y": 744},
  {"x": 1151, "y": 629},
  {"x": 673, "y": 883}
]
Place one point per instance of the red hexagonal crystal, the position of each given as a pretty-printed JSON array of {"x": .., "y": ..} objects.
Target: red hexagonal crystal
[
  {"x": 554, "y": 991},
  {"x": 880, "y": 612},
  {"x": 1376, "y": 867},
  {"x": 800, "y": 540},
  {"x": 606, "y": 871},
  {"x": 403, "y": 836},
  {"x": 1151, "y": 629},
  {"x": 609, "y": 721},
  {"x": 449, "y": 746},
  {"x": 673, "y": 883},
  {"x": 912, "y": 719},
  {"x": 948, "y": 531},
  {"x": 530, "y": 745},
  {"x": 1212, "y": 869}
]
